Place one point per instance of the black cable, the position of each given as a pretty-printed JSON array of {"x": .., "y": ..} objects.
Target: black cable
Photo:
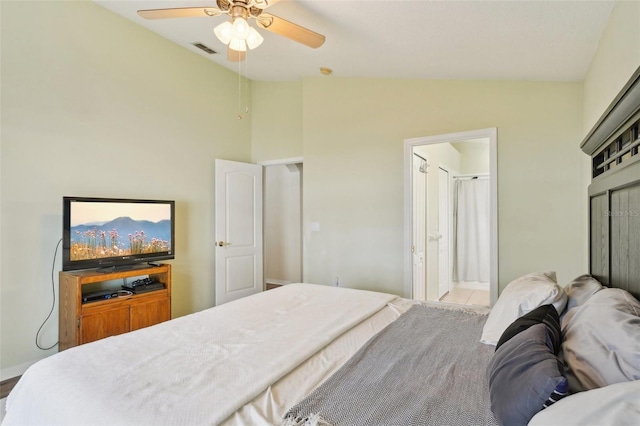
[{"x": 53, "y": 305}]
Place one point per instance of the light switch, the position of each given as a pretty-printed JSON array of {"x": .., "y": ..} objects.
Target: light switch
[{"x": 315, "y": 226}]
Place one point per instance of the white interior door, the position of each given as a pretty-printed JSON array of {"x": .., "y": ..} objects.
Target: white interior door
[
  {"x": 419, "y": 221},
  {"x": 443, "y": 231},
  {"x": 238, "y": 198}
]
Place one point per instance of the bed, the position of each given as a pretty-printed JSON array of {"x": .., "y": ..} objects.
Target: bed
[
  {"x": 546, "y": 353},
  {"x": 242, "y": 363}
]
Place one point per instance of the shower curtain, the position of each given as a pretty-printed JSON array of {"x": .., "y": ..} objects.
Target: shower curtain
[{"x": 471, "y": 235}]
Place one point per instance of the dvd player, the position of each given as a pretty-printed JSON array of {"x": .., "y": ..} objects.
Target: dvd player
[
  {"x": 144, "y": 288},
  {"x": 99, "y": 295}
]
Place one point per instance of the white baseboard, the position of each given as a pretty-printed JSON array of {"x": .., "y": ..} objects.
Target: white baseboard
[
  {"x": 276, "y": 282},
  {"x": 474, "y": 285}
]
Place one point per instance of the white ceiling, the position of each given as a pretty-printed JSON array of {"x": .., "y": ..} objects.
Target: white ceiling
[{"x": 502, "y": 40}]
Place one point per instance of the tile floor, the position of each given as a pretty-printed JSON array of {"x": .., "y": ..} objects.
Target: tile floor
[{"x": 467, "y": 296}]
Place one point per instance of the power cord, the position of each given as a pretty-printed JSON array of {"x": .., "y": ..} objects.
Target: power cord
[{"x": 53, "y": 305}]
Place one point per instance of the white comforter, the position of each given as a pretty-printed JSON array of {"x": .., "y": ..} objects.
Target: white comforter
[{"x": 198, "y": 369}]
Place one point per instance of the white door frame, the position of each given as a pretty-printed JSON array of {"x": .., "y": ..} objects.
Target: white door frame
[
  {"x": 419, "y": 233},
  {"x": 282, "y": 162},
  {"x": 447, "y": 170},
  {"x": 409, "y": 144}
]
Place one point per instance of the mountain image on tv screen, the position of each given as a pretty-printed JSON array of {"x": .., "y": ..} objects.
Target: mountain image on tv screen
[{"x": 102, "y": 230}]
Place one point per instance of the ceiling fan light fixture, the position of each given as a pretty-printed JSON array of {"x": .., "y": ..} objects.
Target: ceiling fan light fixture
[
  {"x": 236, "y": 33},
  {"x": 254, "y": 39},
  {"x": 224, "y": 32},
  {"x": 238, "y": 45},
  {"x": 240, "y": 28}
]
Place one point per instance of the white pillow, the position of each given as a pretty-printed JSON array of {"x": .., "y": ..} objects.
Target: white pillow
[
  {"x": 520, "y": 297},
  {"x": 614, "y": 405},
  {"x": 601, "y": 340}
]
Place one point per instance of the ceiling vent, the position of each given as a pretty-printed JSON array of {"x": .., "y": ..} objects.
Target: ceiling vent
[{"x": 205, "y": 48}]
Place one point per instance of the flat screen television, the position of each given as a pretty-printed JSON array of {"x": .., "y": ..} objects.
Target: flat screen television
[{"x": 114, "y": 233}]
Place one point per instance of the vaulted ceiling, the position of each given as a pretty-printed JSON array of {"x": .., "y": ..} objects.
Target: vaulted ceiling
[{"x": 502, "y": 40}]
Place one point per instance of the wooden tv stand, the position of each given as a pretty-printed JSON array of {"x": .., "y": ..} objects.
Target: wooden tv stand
[{"x": 85, "y": 322}]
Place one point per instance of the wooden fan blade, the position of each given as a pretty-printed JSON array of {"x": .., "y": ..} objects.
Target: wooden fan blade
[
  {"x": 181, "y": 12},
  {"x": 235, "y": 55},
  {"x": 263, "y": 4},
  {"x": 290, "y": 30}
]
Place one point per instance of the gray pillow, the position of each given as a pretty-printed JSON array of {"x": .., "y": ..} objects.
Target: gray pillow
[
  {"x": 601, "y": 340},
  {"x": 524, "y": 375},
  {"x": 580, "y": 290}
]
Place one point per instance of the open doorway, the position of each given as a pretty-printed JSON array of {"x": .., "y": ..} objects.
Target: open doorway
[
  {"x": 453, "y": 220},
  {"x": 282, "y": 222}
]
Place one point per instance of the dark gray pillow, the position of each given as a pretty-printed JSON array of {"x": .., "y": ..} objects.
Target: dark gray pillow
[
  {"x": 525, "y": 376},
  {"x": 545, "y": 314}
]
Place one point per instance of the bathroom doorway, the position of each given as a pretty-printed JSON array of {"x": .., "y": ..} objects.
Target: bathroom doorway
[{"x": 458, "y": 230}]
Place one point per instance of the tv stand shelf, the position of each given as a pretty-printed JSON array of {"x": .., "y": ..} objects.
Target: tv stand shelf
[{"x": 82, "y": 323}]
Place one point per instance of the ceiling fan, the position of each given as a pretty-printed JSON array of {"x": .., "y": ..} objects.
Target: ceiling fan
[{"x": 237, "y": 34}]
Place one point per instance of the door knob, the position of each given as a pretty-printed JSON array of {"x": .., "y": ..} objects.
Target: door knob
[{"x": 222, "y": 244}]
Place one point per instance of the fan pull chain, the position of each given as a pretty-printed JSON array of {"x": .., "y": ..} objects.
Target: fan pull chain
[
  {"x": 246, "y": 84},
  {"x": 239, "y": 116},
  {"x": 246, "y": 87}
]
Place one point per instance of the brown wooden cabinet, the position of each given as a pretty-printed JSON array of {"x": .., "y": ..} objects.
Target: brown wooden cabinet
[{"x": 86, "y": 322}]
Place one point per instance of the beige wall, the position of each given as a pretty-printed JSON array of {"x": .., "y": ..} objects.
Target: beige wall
[
  {"x": 276, "y": 120},
  {"x": 93, "y": 105},
  {"x": 616, "y": 59},
  {"x": 353, "y": 146},
  {"x": 474, "y": 157}
]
